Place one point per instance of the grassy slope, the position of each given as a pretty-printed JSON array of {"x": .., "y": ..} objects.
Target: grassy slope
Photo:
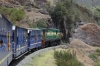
[
  {"x": 45, "y": 59},
  {"x": 88, "y": 3},
  {"x": 84, "y": 14}
]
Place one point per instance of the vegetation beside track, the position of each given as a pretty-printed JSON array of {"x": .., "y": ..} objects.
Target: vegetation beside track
[
  {"x": 66, "y": 58},
  {"x": 56, "y": 57},
  {"x": 44, "y": 59},
  {"x": 96, "y": 57}
]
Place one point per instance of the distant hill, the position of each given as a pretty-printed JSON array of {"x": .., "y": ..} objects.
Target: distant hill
[{"x": 88, "y": 3}]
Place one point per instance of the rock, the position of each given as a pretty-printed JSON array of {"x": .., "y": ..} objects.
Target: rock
[
  {"x": 88, "y": 33},
  {"x": 6, "y": 4},
  {"x": 0, "y": 3},
  {"x": 43, "y": 11},
  {"x": 14, "y": 2},
  {"x": 28, "y": 8},
  {"x": 22, "y": 2},
  {"x": 29, "y": 3},
  {"x": 41, "y": 3}
]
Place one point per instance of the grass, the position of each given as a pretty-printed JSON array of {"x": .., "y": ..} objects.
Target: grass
[
  {"x": 56, "y": 57},
  {"x": 45, "y": 59},
  {"x": 97, "y": 63},
  {"x": 93, "y": 56}
]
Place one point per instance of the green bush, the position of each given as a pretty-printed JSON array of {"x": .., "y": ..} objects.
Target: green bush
[
  {"x": 12, "y": 13},
  {"x": 66, "y": 58},
  {"x": 97, "y": 63},
  {"x": 96, "y": 11},
  {"x": 98, "y": 52},
  {"x": 93, "y": 56},
  {"x": 41, "y": 23},
  {"x": 17, "y": 15}
]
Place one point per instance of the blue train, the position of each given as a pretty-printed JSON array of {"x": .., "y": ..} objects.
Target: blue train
[{"x": 16, "y": 41}]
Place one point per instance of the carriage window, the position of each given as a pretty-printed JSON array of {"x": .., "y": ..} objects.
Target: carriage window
[{"x": 1, "y": 42}]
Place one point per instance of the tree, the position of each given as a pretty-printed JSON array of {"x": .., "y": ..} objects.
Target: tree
[
  {"x": 62, "y": 15},
  {"x": 58, "y": 13}
]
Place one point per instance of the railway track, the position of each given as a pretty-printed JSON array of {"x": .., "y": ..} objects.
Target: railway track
[{"x": 21, "y": 61}]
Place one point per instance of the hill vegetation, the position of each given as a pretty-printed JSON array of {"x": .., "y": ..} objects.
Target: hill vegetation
[
  {"x": 66, "y": 14},
  {"x": 66, "y": 58},
  {"x": 88, "y": 3},
  {"x": 12, "y": 13},
  {"x": 61, "y": 14},
  {"x": 96, "y": 11}
]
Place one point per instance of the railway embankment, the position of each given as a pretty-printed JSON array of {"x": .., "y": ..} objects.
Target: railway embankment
[
  {"x": 28, "y": 58},
  {"x": 82, "y": 43},
  {"x": 45, "y": 57}
]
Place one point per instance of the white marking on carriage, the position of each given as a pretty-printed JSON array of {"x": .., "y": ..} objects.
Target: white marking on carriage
[
  {"x": 35, "y": 43},
  {"x": 21, "y": 47}
]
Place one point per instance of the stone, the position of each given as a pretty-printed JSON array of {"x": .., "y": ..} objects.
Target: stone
[
  {"x": 14, "y": 2},
  {"x": 43, "y": 11},
  {"x": 6, "y": 4},
  {"x": 88, "y": 33}
]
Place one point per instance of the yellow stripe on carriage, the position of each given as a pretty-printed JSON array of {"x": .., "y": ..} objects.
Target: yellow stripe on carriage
[{"x": 1, "y": 61}]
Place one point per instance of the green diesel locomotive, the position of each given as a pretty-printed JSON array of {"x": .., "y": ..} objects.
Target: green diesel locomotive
[{"x": 50, "y": 36}]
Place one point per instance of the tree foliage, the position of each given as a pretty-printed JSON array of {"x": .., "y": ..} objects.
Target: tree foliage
[
  {"x": 62, "y": 15},
  {"x": 96, "y": 11},
  {"x": 58, "y": 13}
]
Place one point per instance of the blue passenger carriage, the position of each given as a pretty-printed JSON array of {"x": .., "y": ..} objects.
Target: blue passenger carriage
[
  {"x": 19, "y": 41},
  {"x": 16, "y": 41},
  {"x": 5, "y": 41},
  {"x": 34, "y": 38}
]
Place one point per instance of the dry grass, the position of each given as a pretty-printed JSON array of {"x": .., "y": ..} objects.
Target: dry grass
[
  {"x": 44, "y": 59},
  {"x": 83, "y": 51}
]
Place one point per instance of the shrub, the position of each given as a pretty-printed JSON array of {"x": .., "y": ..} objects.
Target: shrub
[
  {"x": 97, "y": 63},
  {"x": 66, "y": 58},
  {"x": 98, "y": 52},
  {"x": 41, "y": 23},
  {"x": 17, "y": 15},
  {"x": 33, "y": 25},
  {"x": 93, "y": 56},
  {"x": 96, "y": 11},
  {"x": 12, "y": 13}
]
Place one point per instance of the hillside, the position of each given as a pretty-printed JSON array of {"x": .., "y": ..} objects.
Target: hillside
[
  {"x": 88, "y": 3},
  {"x": 37, "y": 12},
  {"x": 33, "y": 11}
]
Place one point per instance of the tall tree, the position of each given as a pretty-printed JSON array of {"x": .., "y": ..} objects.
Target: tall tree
[
  {"x": 58, "y": 13},
  {"x": 61, "y": 16}
]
